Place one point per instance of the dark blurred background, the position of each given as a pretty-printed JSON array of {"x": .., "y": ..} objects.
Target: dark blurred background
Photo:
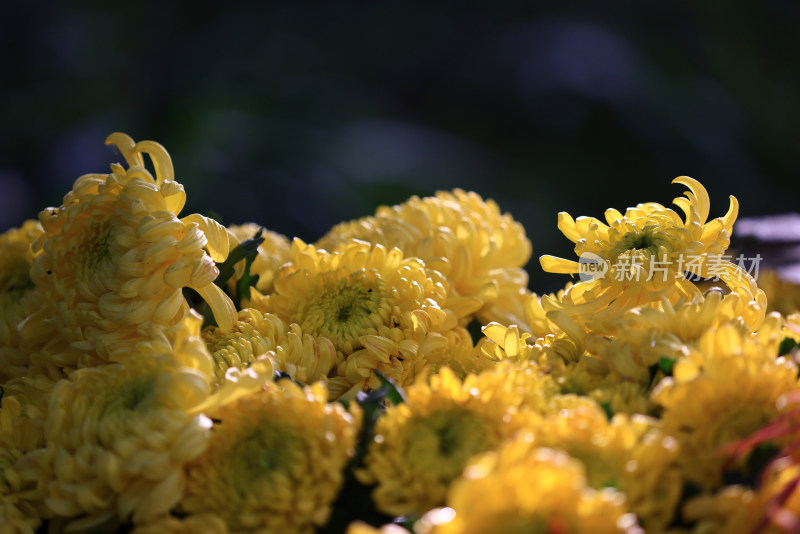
[{"x": 298, "y": 115}]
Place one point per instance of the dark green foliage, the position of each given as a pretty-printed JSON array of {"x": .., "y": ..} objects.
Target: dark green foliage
[
  {"x": 787, "y": 346},
  {"x": 355, "y": 499}
]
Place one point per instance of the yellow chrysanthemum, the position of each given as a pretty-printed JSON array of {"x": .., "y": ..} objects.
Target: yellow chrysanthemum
[
  {"x": 304, "y": 357},
  {"x": 645, "y": 254},
  {"x": 380, "y": 310},
  {"x": 628, "y": 453},
  {"x": 638, "y": 338},
  {"x": 258, "y": 335},
  {"x": 566, "y": 345},
  {"x": 193, "y": 524},
  {"x": 459, "y": 354},
  {"x": 564, "y": 356},
  {"x": 524, "y": 385},
  {"x": 783, "y": 295},
  {"x": 114, "y": 258},
  {"x": 724, "y": 391},
  {"x": 272, "y": 254},
  {"x": 480, "y": 250},
  {"x": 742, "y": 510},
  {"x": 617, "y": 394},
  {"x": 20, "y": 433},
  {"x": 791, "y": 327},
  {"x": 275, "y": 462},
  {"x": 535, "y": 315},
  {"x": 526, "y": 489},
  {"x": 18, "y": 296},
  {"x": 422, "y": 445},
  {"x": 118, "y": 436}
]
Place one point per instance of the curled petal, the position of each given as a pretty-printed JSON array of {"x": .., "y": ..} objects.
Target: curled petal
[
  {"x": 219, "y": 239},
  {"x": 552, "y": 264},
  {"x": 161, "y": 160},
  {"x": 221, "y": 305},
  {"x": 126, "y": 146},
  {"x": 697, "y": 197}
]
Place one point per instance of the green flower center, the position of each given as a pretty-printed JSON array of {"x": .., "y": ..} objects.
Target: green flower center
[
  {"x": 641, "y": 241},
  {"x": 133, "y": 396},
  {"x": 346, "y": 309},
  {"x": 444, "y": 440},
  {"x": 261, "y": 454},
  {"x": 98, "y": 248},
  {"x": 638, "y": 241},
  {"x": 16, "y": 283},
  {"x": 601, "y": 469}
]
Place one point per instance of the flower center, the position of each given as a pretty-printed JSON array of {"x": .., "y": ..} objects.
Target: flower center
[
  {"x": 258, "y": 456},
  {"x": 16, "y": 283},
  {"x": 133, "y": 396},
  {"x": 638, "y": 241},
  {"x": 345, "y": 310},
  {"x": 444, "y": 441},
  {"x": 735, "y": 424},
  {"x": 600, "y": 468},
  {"x": 96, "y": 245}
]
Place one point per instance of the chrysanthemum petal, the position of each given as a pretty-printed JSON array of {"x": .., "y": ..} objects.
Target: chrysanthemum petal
[
  {"x": 553, "y": 264},
  {"x": 220, "y": 303},
  {"x": 698, "y": 196},
  {"x": 219, "y": 238}
]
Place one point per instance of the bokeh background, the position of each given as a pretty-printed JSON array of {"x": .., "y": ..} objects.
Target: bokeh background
[{"x": 298, "y": 115}]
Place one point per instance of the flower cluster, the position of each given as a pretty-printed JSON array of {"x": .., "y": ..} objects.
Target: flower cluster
[{"x": 167, "y": 373}]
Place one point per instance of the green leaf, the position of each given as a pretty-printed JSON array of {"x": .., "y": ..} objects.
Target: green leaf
[
  {"x": 606, "y": 406},
  {"x": 748, "y": 474},
  {"x": 355, "y": 499},
  {"x": 393, "y": 393},
  {"x": 666, "y": 365},
  {"x": 787, "y": 346},
  {"x": 244, "y": 283},
  {"x": 244, "y": 250}
]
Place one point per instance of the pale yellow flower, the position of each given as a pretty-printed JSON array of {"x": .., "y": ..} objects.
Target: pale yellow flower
[
  {"x": 646, "y": 253},
  {"x": 521, "y": 488},
  {"x": 421, "y": 445},
  {"x": 722, "y": 392},
  {"x": 791, "y": 327},
  {"x": 783, "y": 295},
  {"x": 381, "y": 310},
  {"x": 275, "y": 462},
  {"x": 480, "y": 250},
  {"x": 256, "y": 335},
  {"x": 114, "y": 258},
  {"x": 638, "y": 338},
  {"x": 193, "y": 524},
  {"x": 628, "y": 453},
  {"x": 538, "y": 325},
  {"x": 18, "y": 296},
  {"x": 459, "y": 354},
  {"x": 615, "y": 393},
  {"x": 740, "y": 509},
  {"x": 565, "y": 345},
  {"x": 118, "y": 436},
  {"x": 21, "y": 432}
]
